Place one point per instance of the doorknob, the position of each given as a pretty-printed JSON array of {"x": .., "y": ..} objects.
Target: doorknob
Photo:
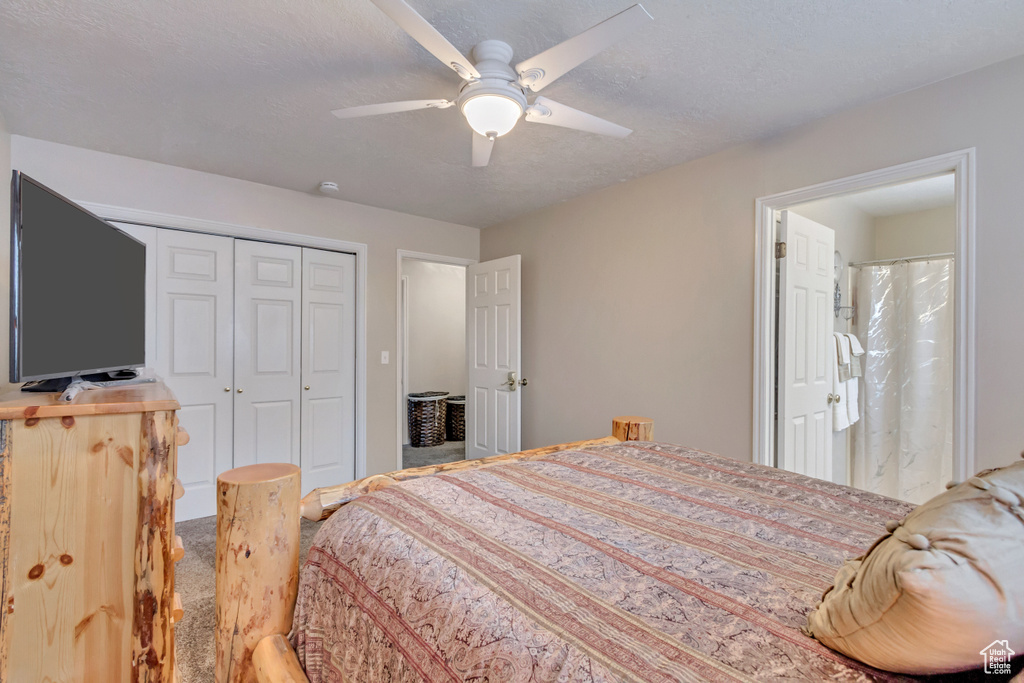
[
  {"x": 239, "y": 391},
  {"x": 522, "y": 382},
  {"x": 307, "y": 387},
  {"x": 510, "y": 382},
  {"x": 831, "y": 398}
]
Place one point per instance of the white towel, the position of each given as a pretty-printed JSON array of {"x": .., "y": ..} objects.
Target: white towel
[
  {"x": 852, "y": 400},
  {"x": 856, "y": 351},
  {"x": 843, "y": 353},
  {"x": 840, "y": 417}
]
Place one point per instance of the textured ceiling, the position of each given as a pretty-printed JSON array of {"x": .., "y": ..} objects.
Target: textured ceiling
[{"x": 244, "y": 88}]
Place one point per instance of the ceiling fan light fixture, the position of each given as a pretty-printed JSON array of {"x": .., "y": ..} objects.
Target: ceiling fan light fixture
[{"x": 491, "y": 115}]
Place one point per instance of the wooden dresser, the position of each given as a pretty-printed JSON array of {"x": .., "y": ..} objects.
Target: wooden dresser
[{"x": 87, "y": 544}]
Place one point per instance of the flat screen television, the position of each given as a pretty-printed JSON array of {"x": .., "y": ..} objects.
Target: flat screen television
[{"x": 78, "y": 298}]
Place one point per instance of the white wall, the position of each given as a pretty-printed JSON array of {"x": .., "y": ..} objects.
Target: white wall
[
  {"x": 5, "y": 252},
  {"x": 90, "y": 176},
  {"x": 916, "y": 234},
  {"x": 855, "y": 241},
  {"x": 639, "y": 299},
  {"x": 437, "y": 327}
]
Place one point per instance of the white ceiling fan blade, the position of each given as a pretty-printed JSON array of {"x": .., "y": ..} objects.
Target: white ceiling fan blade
[
  {"x": 390, "y": 108},
  {"x": 410, "y": 21},
  {"x": 540, "y": 70},
  {"x": 482, "y": 147},
  {"x": 552, "y": 113}
]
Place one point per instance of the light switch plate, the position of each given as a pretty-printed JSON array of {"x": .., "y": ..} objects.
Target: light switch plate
[{"x": 385, "y": 357}]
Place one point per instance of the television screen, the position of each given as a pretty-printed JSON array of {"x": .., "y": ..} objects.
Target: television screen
[{"x": 77, "y": 288}]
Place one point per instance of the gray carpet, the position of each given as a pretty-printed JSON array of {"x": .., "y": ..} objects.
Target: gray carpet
[
  {"x": 194, "y": 580},
  {"x": 449, "y": 451}
]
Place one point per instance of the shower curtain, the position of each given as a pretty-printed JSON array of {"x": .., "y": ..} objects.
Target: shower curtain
[{"x": 903, "y": 444}]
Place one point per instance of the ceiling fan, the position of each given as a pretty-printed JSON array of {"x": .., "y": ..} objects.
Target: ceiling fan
[{"x": 494, "y": 95}]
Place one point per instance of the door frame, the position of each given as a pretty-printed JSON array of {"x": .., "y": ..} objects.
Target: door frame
[
  {"x": 402, "y": 337},
  {"x": 962, "y": 164},
  {"x": 200, "y": 225}
]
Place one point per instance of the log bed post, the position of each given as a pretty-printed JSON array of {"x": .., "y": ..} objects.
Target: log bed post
[
  {"x": 257, "y": 564},
  {"x": 257, "y": 570},
  {"x": 633, "y": 428}
]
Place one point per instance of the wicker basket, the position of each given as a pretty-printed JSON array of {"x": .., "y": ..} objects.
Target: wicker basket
[
  {"x": 456, "y": 418},
  {"x": 427, "y": 418}
]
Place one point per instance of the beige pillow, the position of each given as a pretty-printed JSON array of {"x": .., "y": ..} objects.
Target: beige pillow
[{"x": 947, "y": 582}]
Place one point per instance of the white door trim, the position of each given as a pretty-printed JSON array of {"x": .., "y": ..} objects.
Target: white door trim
[
  {"x": 401, "y": 340},
  {"x": 961, "y": 162},
  {"x": 166, "y": 220}
]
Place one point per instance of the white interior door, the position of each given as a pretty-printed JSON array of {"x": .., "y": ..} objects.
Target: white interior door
[
  {"x": 194, "y": 349},
  {"x": 805, "y": 346},
  {"x": 268, "y": 293},
  {"x": 493, "y": 405},
  {"x": 328, "y": 368}
]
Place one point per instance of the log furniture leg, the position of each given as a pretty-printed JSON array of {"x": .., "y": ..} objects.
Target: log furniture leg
[{"x": 257, "y": 565}]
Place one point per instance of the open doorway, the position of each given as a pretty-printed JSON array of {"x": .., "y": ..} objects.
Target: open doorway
[
  {"x": 891, "y": 380},
  {"x": 432, "y": 359},
  {"x": 869, "y": 330}
]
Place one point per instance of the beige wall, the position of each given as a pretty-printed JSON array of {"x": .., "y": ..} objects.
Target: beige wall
[
  {"x": 5, "y": 252},
  {"x": 640, "y": 298},
  {"x": 916, "y": 234},
  {"x": 86, "y": 175},
  {"x": 437, "y": 327}
]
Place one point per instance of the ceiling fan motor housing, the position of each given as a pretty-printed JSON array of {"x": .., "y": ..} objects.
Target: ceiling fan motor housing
[{"x": 497, "y": 78}]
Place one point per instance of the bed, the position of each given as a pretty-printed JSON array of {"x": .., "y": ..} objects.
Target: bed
[
  {"x": 636, "y": 561},
  {"x": 609, "y": 561}
]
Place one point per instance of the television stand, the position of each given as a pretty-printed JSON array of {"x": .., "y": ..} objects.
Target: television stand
[{"x": 59, "y": 384}]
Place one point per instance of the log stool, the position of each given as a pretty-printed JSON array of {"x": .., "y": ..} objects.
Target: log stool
[
  {"x": 254, "y": 548},
  {"x": 633, "y": 428}
]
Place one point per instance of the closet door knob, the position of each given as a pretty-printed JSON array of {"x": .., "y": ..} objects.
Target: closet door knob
[
  {"x": 307, "y": 387},
  {"x": 239, "y": 391},
  {"x": 227, "y": 388},
  {"x": 831, "y": 398}
]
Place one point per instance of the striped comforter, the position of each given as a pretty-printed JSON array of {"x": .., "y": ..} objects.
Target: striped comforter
[{"x": 632, "y": 562}]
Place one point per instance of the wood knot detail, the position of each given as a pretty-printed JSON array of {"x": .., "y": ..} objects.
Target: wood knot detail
[
  {"x": 36, "y": 572},
  {"x": 247, "y": 551},
  {"x": 66, "y": 559},
  {"x": 31, "y": 422},
  {"x": 68, "y": 421}
]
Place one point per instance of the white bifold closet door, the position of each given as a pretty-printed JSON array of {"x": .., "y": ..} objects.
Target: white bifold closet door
[
  {"x": 194, "y": 355},
  {"x": 328, "y": 368},
  {"x": 257, "y": 341},
  {"x": 268, "y": 309}
]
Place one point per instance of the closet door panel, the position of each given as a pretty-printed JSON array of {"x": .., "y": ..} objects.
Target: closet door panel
[
  {"x": 268, "y": 292},
  {"x": 194, "y": 350},
  {"x": 328, "y": 368}
]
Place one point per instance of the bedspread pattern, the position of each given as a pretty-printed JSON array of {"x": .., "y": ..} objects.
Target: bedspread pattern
[{"x": 632, "y": 562}]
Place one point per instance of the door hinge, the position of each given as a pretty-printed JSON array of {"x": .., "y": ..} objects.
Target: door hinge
[{"x": 780, "y": 250}]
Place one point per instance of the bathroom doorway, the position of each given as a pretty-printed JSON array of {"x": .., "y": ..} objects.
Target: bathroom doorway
[
  {"x": 890, "y": 372},
  {"x": 896, "y": 401}
]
